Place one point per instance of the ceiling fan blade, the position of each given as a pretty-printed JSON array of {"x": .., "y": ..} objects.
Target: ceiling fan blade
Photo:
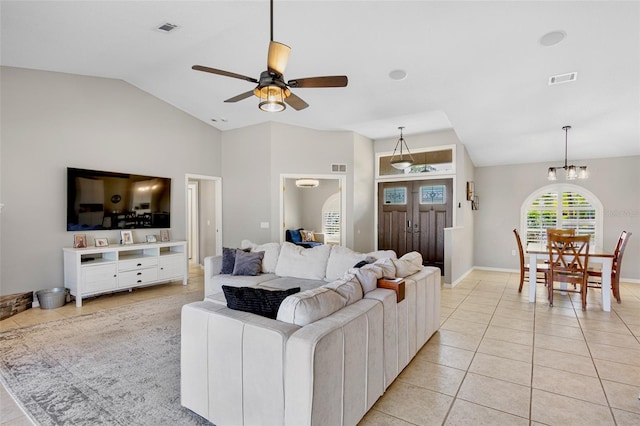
[
  {"x": 295, "y": 102},
  {"x": 224, "y": 73},
  {"x": 327, "y": 81},
  {"x": 278, "y": 57},
  {"x": 241, "y": 96}
]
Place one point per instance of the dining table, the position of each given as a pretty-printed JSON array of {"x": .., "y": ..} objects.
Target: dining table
[{"x": 540, "y": 251}]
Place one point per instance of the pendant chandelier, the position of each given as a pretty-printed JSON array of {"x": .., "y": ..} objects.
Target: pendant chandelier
[
  {"x": 572, "y": 172},
  {"x": 403, "y": 161}
]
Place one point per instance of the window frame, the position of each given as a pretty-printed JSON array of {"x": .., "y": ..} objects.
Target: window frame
[
  {"x": 560, "y": 188},
  {"x": 420, "y": 175}
]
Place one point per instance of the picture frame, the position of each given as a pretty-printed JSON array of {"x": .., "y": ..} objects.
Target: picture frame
[
  {"x": 80, "y": 241},
  {"x": 126, "y": 237},
  {"x": 152, "y": 239},
  {"x": 101, "y": 242},
  {"x": 164, "y": 235}
]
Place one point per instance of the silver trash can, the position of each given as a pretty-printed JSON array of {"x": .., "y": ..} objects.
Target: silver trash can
[{"x": 52, "y": 298}]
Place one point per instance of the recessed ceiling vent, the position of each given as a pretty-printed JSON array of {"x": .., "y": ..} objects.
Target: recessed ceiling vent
[
  {"x": 338, "y": 168},
  {"x": 562, "y": 78},
  {"x": 166, "y": 27}
]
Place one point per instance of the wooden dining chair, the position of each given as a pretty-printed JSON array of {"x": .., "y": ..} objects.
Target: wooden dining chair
[
  {"x": 541, "y": 269},
  {"x": 568, "y": 263},
  {"x": 615, "y": 267}
]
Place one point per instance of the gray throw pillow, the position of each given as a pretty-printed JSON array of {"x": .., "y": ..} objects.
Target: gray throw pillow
[
  {"x": 228, "y": 260},
  {"x": 247, "y": 263}
]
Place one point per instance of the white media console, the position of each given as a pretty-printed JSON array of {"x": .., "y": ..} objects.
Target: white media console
[{"x": 96, "y": 270}]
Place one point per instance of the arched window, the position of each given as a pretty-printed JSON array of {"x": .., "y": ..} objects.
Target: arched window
[{"x": 561, "y": 206}]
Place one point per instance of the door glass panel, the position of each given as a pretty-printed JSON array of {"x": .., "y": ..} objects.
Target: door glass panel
[
  {"x": 433, "y": 194},
  {"x": 395, "y": 195}
]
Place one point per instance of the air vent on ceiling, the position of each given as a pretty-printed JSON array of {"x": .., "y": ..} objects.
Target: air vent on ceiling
[
  {"x": 563, "y": 78},
  {"x": 166, "y": 27},
  {"x": 338, "y": 168}
]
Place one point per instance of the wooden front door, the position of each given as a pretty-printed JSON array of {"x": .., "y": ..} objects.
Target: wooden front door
[{"x": 412, "y": 216}]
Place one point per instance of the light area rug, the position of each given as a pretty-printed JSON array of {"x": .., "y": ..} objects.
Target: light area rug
[{"x": 116, "y": 367}]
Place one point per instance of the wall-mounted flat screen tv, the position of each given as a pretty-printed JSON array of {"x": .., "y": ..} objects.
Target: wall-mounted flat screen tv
[{"x": 108, "y": 200}]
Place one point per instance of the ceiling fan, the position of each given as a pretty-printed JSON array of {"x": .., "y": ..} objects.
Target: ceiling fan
[{"x": 272, "y": 89}]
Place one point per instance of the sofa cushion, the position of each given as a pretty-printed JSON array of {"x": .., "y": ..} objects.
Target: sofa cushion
[
  {"x": 408, "y": 264},
  {"x": 309, "y": 306},
  {"x": 341, "y": 259},
  {"x": 298, "y": 262},
  {"x": 368, "y": 276},
  {"x": 256, "y": 300},
  {"x": 271, "y": 253},
  {"x": 348, "y": 287},
  {"x": 388, "y": 267},
  {"x": 247, "y": 263},
  {"x": 284, "y": 283},
  {"x": 382, "y": 254}
]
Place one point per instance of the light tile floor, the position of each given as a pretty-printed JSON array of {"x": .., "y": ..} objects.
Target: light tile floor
[
  {"x": 497, "y": 359},
  {"x": 500, "y": 360}
]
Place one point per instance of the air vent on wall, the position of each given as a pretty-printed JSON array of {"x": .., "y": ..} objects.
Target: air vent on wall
[
  {"x": 563, "y": 78},
  {"x": 338, "y": 168},
  {"x": 166, "y": 27}
]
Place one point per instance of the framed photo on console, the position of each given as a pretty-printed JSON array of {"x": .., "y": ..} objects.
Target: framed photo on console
[
  {"x": 80, "y": 241},
  {"x": 164, "y": 235},
  {"x": 126, "y": 237},
  {"x": 151, "y": 239},
  {"x": 102, "y": 242}
]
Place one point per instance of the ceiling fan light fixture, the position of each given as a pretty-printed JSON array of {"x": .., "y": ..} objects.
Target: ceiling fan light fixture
[
  {"x": 271, "y": 98},
  {"x": 402, "y": 161}
]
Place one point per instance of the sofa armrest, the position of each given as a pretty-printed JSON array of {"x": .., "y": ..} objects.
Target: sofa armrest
[
  {"x": 212, "y": 265},
  {"x": 319, "y": 237},
  {"x": 232, "y": 364}
]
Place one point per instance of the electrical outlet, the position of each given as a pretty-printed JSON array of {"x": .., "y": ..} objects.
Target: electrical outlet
[{"x": 513, "y": 252}]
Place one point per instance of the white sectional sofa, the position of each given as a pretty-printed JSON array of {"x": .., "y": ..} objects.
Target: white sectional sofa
[{"x": 333, "y": 350}]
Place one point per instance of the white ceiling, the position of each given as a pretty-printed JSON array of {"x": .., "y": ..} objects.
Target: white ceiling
[{"x": 476, "y": 66}]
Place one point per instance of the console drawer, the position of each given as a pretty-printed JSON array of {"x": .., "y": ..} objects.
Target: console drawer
[
  {"x": 136, "y": 264},
  {"x": 137, "y": 277}
]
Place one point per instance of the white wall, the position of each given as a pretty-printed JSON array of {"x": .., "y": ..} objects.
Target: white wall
[
  {"x": 503, "y": 189},
  {"x": 51, "y": 121},
  {"x": 266, "y": 151},
  {"x": 364, "y": 187}
]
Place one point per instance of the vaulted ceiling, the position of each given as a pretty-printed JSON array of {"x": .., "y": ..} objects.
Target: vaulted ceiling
[{"x": 477, "y": 67}]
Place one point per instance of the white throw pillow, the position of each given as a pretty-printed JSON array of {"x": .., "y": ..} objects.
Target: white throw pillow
[
  {"x": 299, "y": 262},
  {"x": 383, "y": 254},
  {"x": 309, "y": 306},
  {"x": 388, "y": 268},
  {"x": 368, "y": 276},
  {"x": 271, "y": 254},
  {"x": 348, "y": 287},
  {"x": 341, "y": 260},
  {"x": 408, "y": 264}
]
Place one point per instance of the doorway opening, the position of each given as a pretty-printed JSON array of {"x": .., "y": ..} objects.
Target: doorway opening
[
  {"x": 320, "y": 208},
  {"x": 203, "y": 217}
]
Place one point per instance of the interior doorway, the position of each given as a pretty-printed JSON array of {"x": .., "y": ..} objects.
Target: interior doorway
[
  {"x": 412, "y": 216},
  {"x": 320, "y": 208},
  {"x": 204, "y": 217}
]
